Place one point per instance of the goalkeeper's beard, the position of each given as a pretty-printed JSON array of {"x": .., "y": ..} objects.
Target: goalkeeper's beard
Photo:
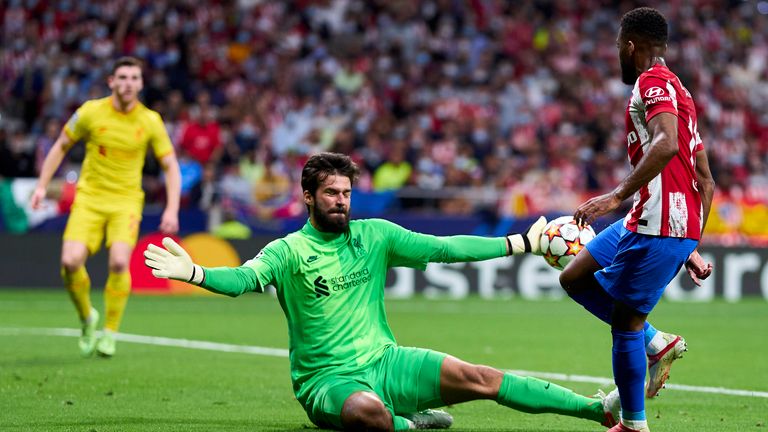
[{"x": 335, "y": 220}]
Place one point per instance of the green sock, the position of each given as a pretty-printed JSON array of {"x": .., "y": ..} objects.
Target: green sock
[{"x": 535, "y": 396}]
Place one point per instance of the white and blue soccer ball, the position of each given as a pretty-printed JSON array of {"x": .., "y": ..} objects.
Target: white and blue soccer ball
[{"x": 562, "y": 239}]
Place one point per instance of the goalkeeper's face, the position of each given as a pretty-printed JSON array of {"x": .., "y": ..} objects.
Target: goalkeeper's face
[
  {"x": 329, "y": 207},
  {"x": 126, "y": 83}
]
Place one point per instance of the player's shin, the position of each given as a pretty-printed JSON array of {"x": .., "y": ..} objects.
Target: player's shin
[
  {"x": 78, "y": 285},
  {"x": 629, "y": 363},
  {"x": 116, "y": 293},
  {"x": 536, "y": 396}
]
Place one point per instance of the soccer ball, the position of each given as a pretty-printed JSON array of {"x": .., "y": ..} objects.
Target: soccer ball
[{"x": 562, "y": 239}]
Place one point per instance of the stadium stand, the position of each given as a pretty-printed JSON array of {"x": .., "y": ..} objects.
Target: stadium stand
[{"x": 482, "y": 107}]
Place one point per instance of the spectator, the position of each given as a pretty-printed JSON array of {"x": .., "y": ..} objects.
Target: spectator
[
  {"x": 202, "y": 137},
  {"x": 394, "y": 173},
  {"x": 462, "y": 82}
]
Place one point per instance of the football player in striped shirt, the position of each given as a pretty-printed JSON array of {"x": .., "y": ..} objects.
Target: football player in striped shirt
[{"x": 622, "y": 273}]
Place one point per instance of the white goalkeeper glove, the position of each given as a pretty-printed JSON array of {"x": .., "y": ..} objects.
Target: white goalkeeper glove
[
  {"x": 529, "y": 241},
  {"x": 173, "y": 262}
]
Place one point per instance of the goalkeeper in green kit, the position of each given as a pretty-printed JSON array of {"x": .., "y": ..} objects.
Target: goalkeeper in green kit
[{"x": 347, "y": 370}]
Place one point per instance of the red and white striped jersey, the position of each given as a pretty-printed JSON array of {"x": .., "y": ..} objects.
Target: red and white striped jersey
[{"x": 670, "y": 204}]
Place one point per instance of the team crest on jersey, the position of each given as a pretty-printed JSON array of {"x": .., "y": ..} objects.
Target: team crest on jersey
[{"x": 358, "y": 245}]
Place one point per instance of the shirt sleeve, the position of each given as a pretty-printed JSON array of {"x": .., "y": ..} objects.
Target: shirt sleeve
[
  {"x": 161, "y": 142},
  {"x": 410, "y": 249},
  {"x": 266, "y": 268},
  {"x": 658, "y": 96},
  {"x": 78, "y": 125}
]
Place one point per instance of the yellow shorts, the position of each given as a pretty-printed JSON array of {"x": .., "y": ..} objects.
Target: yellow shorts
[{"x": 90, "y": 218}]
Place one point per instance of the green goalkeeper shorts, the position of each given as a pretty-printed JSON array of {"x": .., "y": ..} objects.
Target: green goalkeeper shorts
[{"x": 407, "y": 380}]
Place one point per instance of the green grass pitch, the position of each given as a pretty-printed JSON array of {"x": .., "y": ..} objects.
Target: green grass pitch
[{"x": 46, "y": 386}]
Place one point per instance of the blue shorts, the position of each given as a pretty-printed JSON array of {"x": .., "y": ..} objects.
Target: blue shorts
[{"x": 637, "y": 267}]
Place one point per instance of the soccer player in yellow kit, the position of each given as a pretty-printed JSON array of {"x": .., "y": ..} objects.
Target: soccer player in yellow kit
[{"x": 117, "y": 131}]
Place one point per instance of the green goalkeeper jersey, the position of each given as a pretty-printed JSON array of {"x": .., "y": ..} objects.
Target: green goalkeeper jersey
[{"x": 331, "y": 288}]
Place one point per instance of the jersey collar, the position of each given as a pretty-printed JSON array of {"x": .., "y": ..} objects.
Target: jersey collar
[{"x": 330, "y": 239}]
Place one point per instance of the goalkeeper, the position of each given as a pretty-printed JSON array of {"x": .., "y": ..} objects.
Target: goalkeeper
[{"x": 347, "y": 370}]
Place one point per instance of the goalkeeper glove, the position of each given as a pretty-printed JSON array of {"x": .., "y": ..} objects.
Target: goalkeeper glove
[
  {"x": 173, "y": 262},
  {"x": 529, "y": 241}
]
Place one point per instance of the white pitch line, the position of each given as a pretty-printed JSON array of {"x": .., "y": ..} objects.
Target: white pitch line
[
  {"x": 153, "y": 340},
  {"x": 278, "y": 352}
]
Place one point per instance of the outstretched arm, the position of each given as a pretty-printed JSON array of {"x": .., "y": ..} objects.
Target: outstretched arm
[
  {"x": 408, "y": 248},
  {"x": 173, "y": 262}
]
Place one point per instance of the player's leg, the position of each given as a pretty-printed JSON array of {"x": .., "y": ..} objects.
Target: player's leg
[
  {"x": 82, "y": 237},
  {"x": 76, "y": 280},
  {"x": 414, "y": 380},
  {"x": 637, "y": 277},
  {"x": 461, "y": 382},
  {"x": 78, "y": 285},
  {"x": 408, "y": 382},
  {"x": 348, "y": 402},
  {"x": 122, "y": 233},
  {"x": 116, "y": 292},
  {"x": 364, "y": 410},
  {"x": 629, "y": 363},
  {"x": 578, "y": 280}
]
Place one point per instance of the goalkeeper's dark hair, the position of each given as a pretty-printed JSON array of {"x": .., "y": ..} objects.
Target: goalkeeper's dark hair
[
  {"x": 322, "y": 165},
  {"x": 645, "y": 24},
  {"x": 126, "y": 61}
]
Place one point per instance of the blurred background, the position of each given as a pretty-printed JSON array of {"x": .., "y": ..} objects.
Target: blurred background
[{"x": 482, "y": 114}]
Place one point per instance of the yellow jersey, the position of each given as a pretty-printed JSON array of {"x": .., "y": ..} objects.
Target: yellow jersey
[{"x": 115, "y": 147}]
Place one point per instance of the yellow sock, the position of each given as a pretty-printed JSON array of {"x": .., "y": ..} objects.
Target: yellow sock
[
  {"x": 115, "y": 297},
  {"x": 78, "y": 284}
]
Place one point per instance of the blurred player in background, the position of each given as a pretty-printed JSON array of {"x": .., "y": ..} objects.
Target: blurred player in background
[
  {"x": 117, "y": 131},
  {"x": 347, "y": 370},
  {"x": 623, "y": 272}
]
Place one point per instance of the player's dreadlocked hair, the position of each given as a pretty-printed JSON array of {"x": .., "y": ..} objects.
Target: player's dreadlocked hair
[
  {"x": 321, "y": 165},
  {"x": 646, "y": 24}
]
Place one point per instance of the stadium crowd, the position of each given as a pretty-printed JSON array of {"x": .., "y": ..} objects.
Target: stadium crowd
[{"x": 455, "y": 106}]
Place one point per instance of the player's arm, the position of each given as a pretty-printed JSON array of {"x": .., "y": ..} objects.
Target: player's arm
[
  {"x": 697, "y": 268},
  {"x": 169, "y": 222},
  {"x": 706, "y": 185},
  {"x": 663, "y": 135},
  {"x": 172, "y": 262},
  {"x": 50, "y": 165},
  {"x": 415, "y": 249}
]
